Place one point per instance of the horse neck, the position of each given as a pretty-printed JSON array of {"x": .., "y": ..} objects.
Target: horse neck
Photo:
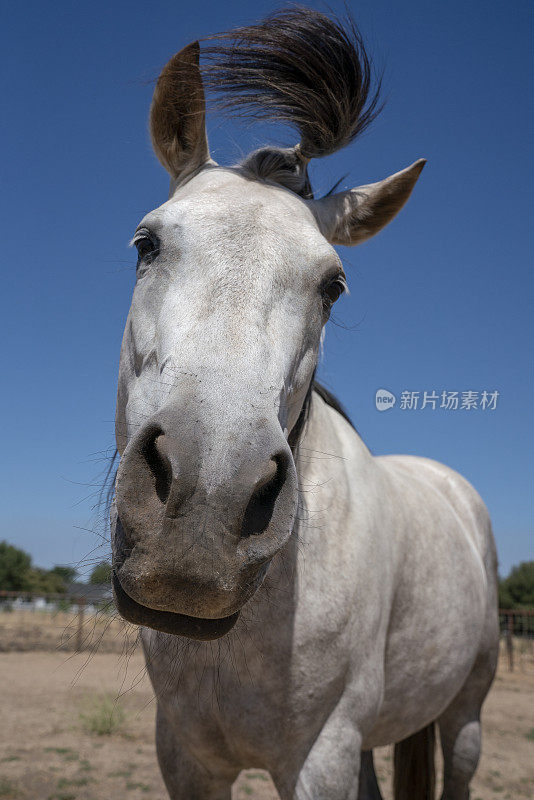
[{"x": 317, "y": 445}]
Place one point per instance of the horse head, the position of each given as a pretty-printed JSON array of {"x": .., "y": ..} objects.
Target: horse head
[{"x": 236, "y": 277}]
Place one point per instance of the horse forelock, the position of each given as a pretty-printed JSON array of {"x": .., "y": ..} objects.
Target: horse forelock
[{"x": 299, "y": 67}]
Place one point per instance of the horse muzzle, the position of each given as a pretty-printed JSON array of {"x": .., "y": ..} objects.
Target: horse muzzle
[{"x": 194, "y": 531}]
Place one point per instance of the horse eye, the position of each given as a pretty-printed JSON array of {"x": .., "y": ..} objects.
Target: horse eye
[
  {"x": 332, "y": 292},
  {"x": 147, "y": 249}
]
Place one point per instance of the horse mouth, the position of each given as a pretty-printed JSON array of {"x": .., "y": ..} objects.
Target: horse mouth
[{"x": 169, "y": 622}]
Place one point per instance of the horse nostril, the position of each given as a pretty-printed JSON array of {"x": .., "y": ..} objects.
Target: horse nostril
[
  {"x": 261, "y": 505},
  {"x": 159, "y": 465}
]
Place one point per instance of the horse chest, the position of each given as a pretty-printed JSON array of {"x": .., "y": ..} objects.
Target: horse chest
[{"x": 244, "y": 707}]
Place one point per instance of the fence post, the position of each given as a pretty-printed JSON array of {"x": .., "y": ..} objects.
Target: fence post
[
  {"x": 510, "y": 640},
  {"x": 79, "y": 633}
]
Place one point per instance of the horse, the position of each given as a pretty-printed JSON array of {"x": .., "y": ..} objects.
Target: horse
[{"x": 300, "y": 601}]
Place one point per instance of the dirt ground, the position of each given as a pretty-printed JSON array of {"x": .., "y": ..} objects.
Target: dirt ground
[{"x": 50, "y": 702}]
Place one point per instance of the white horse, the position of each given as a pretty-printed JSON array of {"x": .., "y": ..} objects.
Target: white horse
[{"x": 356, "y": 595}]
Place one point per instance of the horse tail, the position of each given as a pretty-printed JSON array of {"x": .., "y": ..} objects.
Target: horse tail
[{"x": 414, "y": 774}]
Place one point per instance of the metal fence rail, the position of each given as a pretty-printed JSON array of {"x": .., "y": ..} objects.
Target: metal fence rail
[
  {"x": 516, "y": 623},
  {"x": 45, "y": 621},
  {"x": 36, "y": 621}
]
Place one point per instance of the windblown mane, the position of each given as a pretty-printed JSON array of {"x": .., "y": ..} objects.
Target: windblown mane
[{"x": 299, "y": 67}]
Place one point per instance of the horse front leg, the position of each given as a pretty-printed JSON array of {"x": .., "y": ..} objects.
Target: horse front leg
[
  {"x": 331, "y": 770},
  {"x": 184, "y": 776}
]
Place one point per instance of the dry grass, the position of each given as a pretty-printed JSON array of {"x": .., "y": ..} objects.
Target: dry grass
[
  {"x": 26, "y": 630},
  {"x": 103, "y": 715}
]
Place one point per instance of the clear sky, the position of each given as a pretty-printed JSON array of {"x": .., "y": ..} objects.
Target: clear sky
[{"x": 441, "y": 300}]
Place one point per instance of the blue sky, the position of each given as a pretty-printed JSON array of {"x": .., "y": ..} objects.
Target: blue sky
[{"x": 441, "y": 300}]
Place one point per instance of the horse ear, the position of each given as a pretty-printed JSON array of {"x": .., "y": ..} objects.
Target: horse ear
[
  {"x": 178, "y": 115},
  {"x": 354, "y": 216}
]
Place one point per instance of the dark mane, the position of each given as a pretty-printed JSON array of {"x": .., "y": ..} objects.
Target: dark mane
[
  {"x": 329, "y": 398},
  {"x": 299, "y": 67},
  {"x": 332, "y": 401}
]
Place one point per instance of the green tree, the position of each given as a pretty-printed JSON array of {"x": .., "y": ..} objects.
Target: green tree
[
  {"x": 15, "y": 566},
  {"x": 101, "y": 573},
  {"x": 505, "y": 598},
  {"x": 45, "y": 581},
  {"x": 66, "y": 573},
  {"x": 517, "y": 590}
]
